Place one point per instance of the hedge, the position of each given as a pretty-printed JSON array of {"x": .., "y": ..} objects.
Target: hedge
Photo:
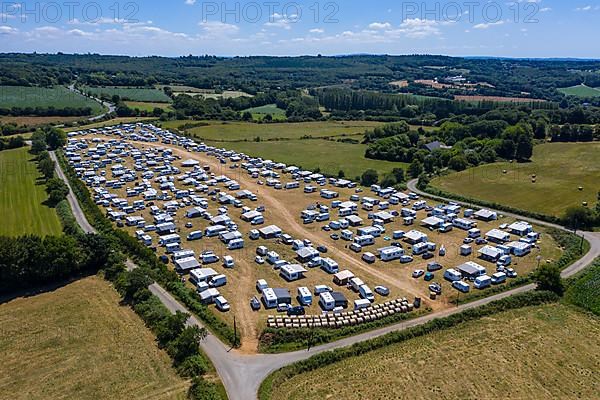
[
  {"x": 146, "y": 259},
  {"x": 583, "y": 290},
  {"x": 330, "y": 357}
]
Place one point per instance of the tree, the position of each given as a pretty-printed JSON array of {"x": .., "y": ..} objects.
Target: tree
[
  {"x": 369, "y": 177},
  {"x": 458, "y": 163},
  {"x": 268, "y": 118},
  {"x": 171, "y": 327},
  {"x": 540, "y": 130},
  {"x": 57, "y": 191},
  {"x": 136, "y": 280},
  {"x": 547, "y": 277},
  {"x": 55, "y": 138},
  {"x": 341, "y": 174},
  {"x": 524, "y": 149},
  {"x": 388, "y": 181},
  {"x": 415, "y": 169},
  {"x": 247, "y": 116},
  {"x": 38, "y": 142},
  {"x": 578, "y": 217},
  {"x": 203, "y": 390},
  {"x": 186, "y": 344},
  {"x": 399, "y": 175},
  {"x": 47, "y": 167}
]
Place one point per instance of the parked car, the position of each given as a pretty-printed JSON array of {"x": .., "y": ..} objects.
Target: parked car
[
  {"x": 259, "y": 260},
  {"x": 282, "y": 307},
  {"x": 322, "y": 249},
  {"x": 436, "y": 288},
  {"x": 434, "y": 266},
  {"x": 417, "y": 273},
  {"x": 510, "y": 272},
  {"x": 255, "y": 303},
  {"x": 298, "y": 310},
  {"x": 382, "y": 290},
  {"x": 480, "y": 240},
  {"x": 164, "y": 259},
  {"x": 326, "y": 228},
  {"x": 429, "y": 276},
  {"x": 335, "y": 236},
  {"x": 188, "y": 225},
  {"x": 427, "y": 256},
  {"x": 467, "y": 240}
]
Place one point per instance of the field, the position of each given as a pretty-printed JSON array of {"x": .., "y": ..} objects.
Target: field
[
  {"x": 147, "y": 106},
  {"x": 132, "y": 94},
  {"x": 550, "y": 351},
  {"x": 240, "y": 131},
  {"x": 259, "y": 112},
  {"x": 37, "y": 121},
  {"x": 21, "y": 197},
  {"x": 560, "y": 168},
  {"x": 57, "y": 97},
  {"x": 498, "y": 99},
  {"x": 580, "y": 91},
  {"x": 77, "y": 342},
  {"x": 206, "y": 93},
  {"x": 328, "y": 155}
]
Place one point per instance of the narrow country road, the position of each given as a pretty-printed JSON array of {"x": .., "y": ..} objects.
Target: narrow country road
[
  {"x": 111, "y": 107},
  {"x": 243, "y": 374}
]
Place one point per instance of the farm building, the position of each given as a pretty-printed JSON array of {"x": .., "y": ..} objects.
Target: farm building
[
  {"x": 486, "y": 215},
  {"x": 497, "y": 236},
  {"x": 270, "y": 232}
]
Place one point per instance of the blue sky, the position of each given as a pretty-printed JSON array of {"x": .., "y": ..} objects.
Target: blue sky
[{"x": 523, "y": 28}]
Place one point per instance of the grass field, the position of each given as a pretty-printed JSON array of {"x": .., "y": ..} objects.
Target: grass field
[
  {"x": 131, "y": 94},
  {"x": 37, "y": 121},
  {"x": 329, "y": 156},
  {"x": 238, "y": 131},
  {"x": 550, "y": 351},
  {"x": 57, "y": 97},
  {"x": 259, "y": 113},
  {"x": 147, "y": 106},
  {"x": 580, "y": 91},
  {"x": 78, "y": 343},
  {"x": 560, "y": 168},
  {"x": 21, "y": 197},
  {"x": 206, "y": 93}
]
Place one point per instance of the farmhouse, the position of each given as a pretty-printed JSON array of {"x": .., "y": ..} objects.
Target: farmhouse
[
  {"x": 497, "y": 236},
  {"x": 292, "y": 272},
  {"x": 270, "y": 232},
  {"x": 486, "y": 215}
]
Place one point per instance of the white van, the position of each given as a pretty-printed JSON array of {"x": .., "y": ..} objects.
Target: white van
[
  {"x": 236, "y": 244},
  {"x": 304, "y": 296},
  {"x": 361, "y": 303},
  {"x": 498, "y": 277},
  {"x": 368, "y": 258},
  {"x": 322, "y": 289},
  {"x": 366, "y": 293},
  {"x": 483, "y": 281},
  {"x": 452, "y": 275},
  {"x": 217, "y": 281},
  {"x": 228, "y": 262},
  {"x": 461, "y": 286},
  {"x": 195, "y": 235},
  {"x": 222, "y": 304}
]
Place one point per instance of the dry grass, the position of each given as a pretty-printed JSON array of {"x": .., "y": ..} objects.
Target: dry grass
[
  {"x": 78, "y": 343},
  {"x": 550, "y": 351}
]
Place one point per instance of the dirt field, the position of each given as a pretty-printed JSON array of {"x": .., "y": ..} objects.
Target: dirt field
[
  {"x": 283, "y": 208},
  {"x": 78, "y": 343},
  {"x": 548, "y": 352}
]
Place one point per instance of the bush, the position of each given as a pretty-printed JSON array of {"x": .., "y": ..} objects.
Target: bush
[
  {"x": 193, "y": 366},
  {"x": 203, "y": 390}
]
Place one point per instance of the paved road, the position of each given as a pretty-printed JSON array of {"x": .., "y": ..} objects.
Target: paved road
[
  {"x": 111, "y": 107},
  {"x": 243, "y": 374}
]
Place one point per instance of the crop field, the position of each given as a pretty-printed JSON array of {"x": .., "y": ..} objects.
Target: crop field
[
  {"x": 560, "y": 169},
  {"x": 131, "y": 94},
  {"x": 580, "y": 91},
  {"x": 147, "y": 106},
  {"x": 550, "y": 351},
  {"x": 22, "y": 197},
  {"x": 57, "y": 97},
  {"x": 77, "y": 342},
  {"x": 283, "y": 208},
  {"x": 37, "y": 121},
  {"x": 206, "y": 93}
]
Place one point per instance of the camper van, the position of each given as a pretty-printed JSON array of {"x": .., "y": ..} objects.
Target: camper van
[
  {"x": 452, "y": 275},
  {"x": 209, "y": 258},
  {"x": 461, "y": 286},
  {"x": 326, "y": 301},
  {"x": 366, "y": 293},
  {"x": 172, "y": 248},
  {"x": 483, "y": 281},
  {"x": 218, "y": 281},
  {"x": 498, "y": 278},
  {"x": 195, "y": 235},
  {"x": 364, "y": 240},
  {"x": 361, "y": 303},
  {"x": 228, "y": 262},
  {"x": 304, "y": 296},
  {"x": 236, "y": 244},
  {"x": 368, "y": 258}
]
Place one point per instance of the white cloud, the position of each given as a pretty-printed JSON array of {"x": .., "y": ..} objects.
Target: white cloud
[
  {"x": 7, "y": 30},
  {"x": 380, "y": 25},
  {"x": 419, "y": 28},
  {"x": 217, "y": 28},
  {"x": 281, "y": 21},
  {"x": 317, "y": 30},
  {"x": 190, "y": 2},
  {"x": 488, "y": 25},
  {"x": 545, "y": 9}
]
